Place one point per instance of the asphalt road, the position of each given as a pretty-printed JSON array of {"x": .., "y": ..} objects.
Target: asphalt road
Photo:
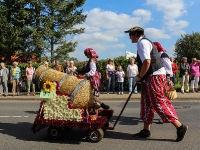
[{"x": 17, "y": 117}]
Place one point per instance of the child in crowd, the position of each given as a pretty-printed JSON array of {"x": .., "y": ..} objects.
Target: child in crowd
[
  {"x": 120, "y": 79},
  {"x": 72, "y": 68}
]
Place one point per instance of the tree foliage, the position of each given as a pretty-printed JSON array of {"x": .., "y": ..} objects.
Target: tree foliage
[
  {"x": 58, "y": 20},
  {"x": 39, "y": 26},
  {"x": 14, "y": 27},
  {"x": 188, "y": 46}
]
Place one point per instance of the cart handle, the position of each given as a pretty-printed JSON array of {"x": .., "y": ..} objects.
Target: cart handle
[{"x": 112, "y": 128}]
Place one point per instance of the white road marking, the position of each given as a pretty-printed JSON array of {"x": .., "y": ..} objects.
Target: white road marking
[{"x": 14, "y": 116}]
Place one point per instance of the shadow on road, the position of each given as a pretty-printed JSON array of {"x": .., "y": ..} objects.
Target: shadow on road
[
  {"x": 31, "y": 112},
  {"x": 130, "y": 120},
  {"x": 22, "y": 131},
  {"x": 128, "y": 136},
  {"x": 123, "y": 120}
]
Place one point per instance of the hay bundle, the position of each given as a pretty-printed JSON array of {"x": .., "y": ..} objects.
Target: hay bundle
[{"x": 80, "y": 91}]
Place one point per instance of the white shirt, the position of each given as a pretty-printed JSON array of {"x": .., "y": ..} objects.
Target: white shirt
[
  {"x": 144, "y": 48},
  {"x": 1, "y": 71},
  {"x": 167, "y": 64},
  {"x": 93, "y": 69},
  {"x": 132, "y": 70},
  {"x": 110, "y": 68},
  {"x": 120, "y": 76}
]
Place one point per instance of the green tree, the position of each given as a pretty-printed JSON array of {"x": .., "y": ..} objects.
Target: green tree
[
  {"x": 58, "y": 20},
  {"x": 39, "y": 26},
  {"x": 188, "y": 46},
  {"x": 14, "y": 27}
]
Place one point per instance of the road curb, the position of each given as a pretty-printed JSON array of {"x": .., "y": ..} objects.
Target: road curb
[{"x": 102, "y": 99}]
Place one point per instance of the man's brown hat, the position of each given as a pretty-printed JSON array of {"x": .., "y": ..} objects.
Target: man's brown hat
[{"x": 135, "y": 29}]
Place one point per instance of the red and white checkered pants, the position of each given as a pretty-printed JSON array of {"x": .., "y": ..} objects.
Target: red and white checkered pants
[{"x": 153, "y": 100}]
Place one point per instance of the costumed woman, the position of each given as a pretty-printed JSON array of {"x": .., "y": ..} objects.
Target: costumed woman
[
  {"x": 92, "y": 73},
  {"x": 165, "y": 61}
]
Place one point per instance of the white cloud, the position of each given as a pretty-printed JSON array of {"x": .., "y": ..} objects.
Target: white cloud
[
  {"x": 103, "y": 29},
  {"x": 176, "y": 26},
  {"x": 156, "y": 33},
  {"x": 144, "y": 14},
  {"x": 172, "y": 10},
  {"x": 111, "y": 20},
  {"x": 100, "y": 40}
]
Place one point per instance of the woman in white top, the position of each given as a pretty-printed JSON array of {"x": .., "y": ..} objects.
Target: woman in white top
[
  {"x": 132, "y": 71},
  {"x": 110, "y": 75}
]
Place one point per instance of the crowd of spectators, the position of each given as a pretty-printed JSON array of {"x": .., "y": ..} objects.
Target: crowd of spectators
[{"x": 189, "y": 73}]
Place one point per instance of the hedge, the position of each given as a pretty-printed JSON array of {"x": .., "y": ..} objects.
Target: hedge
[{"x": 102, "y": 66}]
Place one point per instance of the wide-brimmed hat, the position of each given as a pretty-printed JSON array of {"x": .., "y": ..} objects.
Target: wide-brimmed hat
[{"x": 135, "y": 29}]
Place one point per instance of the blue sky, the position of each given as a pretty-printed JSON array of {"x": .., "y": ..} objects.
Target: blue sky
[{"x": 163, "y": 21}]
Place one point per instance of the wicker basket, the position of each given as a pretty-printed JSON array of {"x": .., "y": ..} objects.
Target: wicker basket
[
  {"x": 80, "y": 91},
  {"x": 170, "y": 92}
]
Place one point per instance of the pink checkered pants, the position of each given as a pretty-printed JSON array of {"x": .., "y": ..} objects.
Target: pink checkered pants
[{"x": 153, "y": 100}]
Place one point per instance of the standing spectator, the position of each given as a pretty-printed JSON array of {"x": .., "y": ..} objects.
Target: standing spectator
[
  {"x": 58, "y": 67},
  {"x": 110, "y": 75},
  {"x": 185, "y": 75},
  {"x": 152, "y": 77},
  {"x": 72, "y": 68},
  {"x": 132, "y": 71},
  {"x": 120, "y": 79},
  {"x": 29, "y": 78},
  {"x": 67, "y": 67},
  {"x": 15, "y": 75},
  {"x": 4, "y": 73},
  {"x": 46, "y": 64},
  {"x": 174, "y": 68},
  {"x": 194, "y": 74}
]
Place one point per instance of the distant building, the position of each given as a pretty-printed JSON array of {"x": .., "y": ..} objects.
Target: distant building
[{"x": 130, "y": 55}]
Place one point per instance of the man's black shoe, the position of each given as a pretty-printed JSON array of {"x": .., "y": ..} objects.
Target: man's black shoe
[
  {"x": 142, "y": 134},
  {"x": 104, "y": 106},
  {"x": 181, "y": 133}
]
